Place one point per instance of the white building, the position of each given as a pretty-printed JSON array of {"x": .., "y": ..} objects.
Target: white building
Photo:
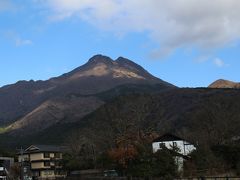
[
  {"x": 5, "y": 165},
  {"x": 170, "y": 142}
]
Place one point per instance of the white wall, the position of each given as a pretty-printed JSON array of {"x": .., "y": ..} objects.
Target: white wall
[{"x": 184, "y": 147}]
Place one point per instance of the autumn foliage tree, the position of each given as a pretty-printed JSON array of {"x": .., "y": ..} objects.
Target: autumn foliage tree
[{"x": 123, "y": 155}]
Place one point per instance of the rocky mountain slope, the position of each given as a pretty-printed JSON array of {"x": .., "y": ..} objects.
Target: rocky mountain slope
[
  {"x": 31, "y": 106},
  {"x": 221, "y": 83}
]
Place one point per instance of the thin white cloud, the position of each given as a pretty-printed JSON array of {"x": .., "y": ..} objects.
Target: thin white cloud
[
  {"x": 23, "y": 42},
  {"x": 14, "y": 37},
  {"x": 171, "y": 23},
  {"x": 219, "y": 62}
]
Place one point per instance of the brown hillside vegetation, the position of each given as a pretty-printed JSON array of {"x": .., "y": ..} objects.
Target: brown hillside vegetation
[{"x": 207, "y": 116}]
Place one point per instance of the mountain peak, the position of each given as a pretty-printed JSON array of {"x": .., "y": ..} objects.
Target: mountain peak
[
  {"x": 102, "y": 71},
  {"x": 100, "y": 59},
  {"x": 128, "y": 63},
  {"x": 122, "y": 60},
  {"x": 222, "y": 83}
]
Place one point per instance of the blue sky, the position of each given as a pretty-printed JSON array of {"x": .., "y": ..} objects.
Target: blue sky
[{"x": 189, "y": 43}]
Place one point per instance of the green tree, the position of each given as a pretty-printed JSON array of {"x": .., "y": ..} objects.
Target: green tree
[
  {"x": 203, "y": 162},
  {"x": 159, "y": 164}
]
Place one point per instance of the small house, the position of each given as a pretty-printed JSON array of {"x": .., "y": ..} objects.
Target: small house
[{"x": 170, "y": 141}]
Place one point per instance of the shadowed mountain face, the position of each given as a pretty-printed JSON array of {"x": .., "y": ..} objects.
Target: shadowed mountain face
[
  {"x": 203, "y": 115},
  {"x": 221, "y": 83},
  {"x": 36, "y": 105}
]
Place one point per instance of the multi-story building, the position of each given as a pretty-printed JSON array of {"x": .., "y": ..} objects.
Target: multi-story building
[{"x": 41, "y": 161}]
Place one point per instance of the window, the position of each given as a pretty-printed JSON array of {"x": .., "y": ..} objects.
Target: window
[
  {"x": 174, "y": 144},
  {"x": 25, "y": 169},
  {"x": 57, "y": 163},
  {"x": 57, "y": 155},
  {"x": 47, "y": 163},
  {"x": 46, "y": 155},
  {"x": 161, "y": 145},
  {"x": 59, "y": 172},
  {"x": 47, "y": 172}
]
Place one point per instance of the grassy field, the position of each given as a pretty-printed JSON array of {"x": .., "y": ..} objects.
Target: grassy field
[{"x": 3, "y": 130}]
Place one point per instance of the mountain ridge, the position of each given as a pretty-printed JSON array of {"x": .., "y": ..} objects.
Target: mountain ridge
[
  {"x": 25, "y": 103},
  {"x": 120, "y": 95},
  {"x": 222, "y": 83}
]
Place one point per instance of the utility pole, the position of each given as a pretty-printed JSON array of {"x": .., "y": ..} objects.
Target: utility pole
[
  {"x": 21, "y": 152},
  {"x": 21, "y": 162}
]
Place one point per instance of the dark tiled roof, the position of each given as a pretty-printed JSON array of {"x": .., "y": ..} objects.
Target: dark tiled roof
[
  {"x": 44, "y": 148},
  {"x": 167, "y": 137}
]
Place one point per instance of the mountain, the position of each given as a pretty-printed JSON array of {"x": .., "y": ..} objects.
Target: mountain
[
  {"x": 203, "y": 115},
  {"x": 221, "y": 83},
  {"x": 107, "y": 103},
  {"x": 31, "y": 106},
  {"x": 104, "y": 98}
]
